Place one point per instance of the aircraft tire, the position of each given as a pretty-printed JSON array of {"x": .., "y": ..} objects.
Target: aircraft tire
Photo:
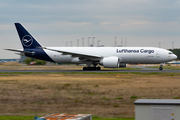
[
  {"x": 98, "y": 68},
  {"x": 91, "y": 68},
  {"x": 84, "y": 68},
  {"x": 160, "y": 68}
]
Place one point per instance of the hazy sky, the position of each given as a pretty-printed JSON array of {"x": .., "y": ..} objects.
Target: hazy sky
[{"x": 55, "y": 22}]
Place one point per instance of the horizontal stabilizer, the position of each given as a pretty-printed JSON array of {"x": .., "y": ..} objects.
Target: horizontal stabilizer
[{"x": 21, "y": 51}]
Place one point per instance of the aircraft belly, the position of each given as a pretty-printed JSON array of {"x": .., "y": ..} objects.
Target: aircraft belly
[
  {"x": 62, "y": 58},
  {"x": 139, "y": 58},
  {"x": 58, "y": 57},
  {"x": 132, "y": 58}
]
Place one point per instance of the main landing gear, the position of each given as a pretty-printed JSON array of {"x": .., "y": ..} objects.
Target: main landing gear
[
  {"x": 161, "y": 66},
  {"x": 91, "y": 68}
]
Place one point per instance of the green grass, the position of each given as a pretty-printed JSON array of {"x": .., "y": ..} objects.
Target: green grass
[
  {"x": 17, "y": 117},
  {"x": 32, "y": 118}
]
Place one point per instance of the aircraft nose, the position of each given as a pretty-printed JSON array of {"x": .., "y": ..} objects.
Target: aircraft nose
[{"x": 175, "y": 56}]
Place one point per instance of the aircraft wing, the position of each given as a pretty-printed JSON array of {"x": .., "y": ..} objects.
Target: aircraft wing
[
  {"x": 76, "y": 54},
  {"x": 21, "y": 51}
]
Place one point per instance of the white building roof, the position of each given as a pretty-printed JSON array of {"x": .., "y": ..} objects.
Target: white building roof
[{"x": 157, "y": 102}]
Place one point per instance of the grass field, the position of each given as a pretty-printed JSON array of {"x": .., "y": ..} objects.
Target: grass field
[
  {"x": 106, "y": 95},
  {"x": 17, "y": 117}
]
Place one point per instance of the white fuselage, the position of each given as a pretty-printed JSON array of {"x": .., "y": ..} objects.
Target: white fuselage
[{"x": 143, "y": 55}]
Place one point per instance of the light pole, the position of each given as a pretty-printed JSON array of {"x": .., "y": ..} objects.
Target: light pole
[
  {"x": 98, "y": 43},
  {"x": 125, "y": 41},
  {"x": 115, "y": 43},
  {"x": 93, "y": 41},
  {"x": 66, "y": 44},
  {"x": 83, "y": 42},
  {"x": 88, "y": 41},
  {"x": 122, "y": 42},
  {"x": 172, "y": 44},
  {"x": 159, "y": 44},
  {"x": 71, "y": 43},
  {"x": 77, "y": 42}
]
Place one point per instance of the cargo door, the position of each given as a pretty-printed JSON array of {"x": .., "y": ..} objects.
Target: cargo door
[{"x": 162, "y": 113}]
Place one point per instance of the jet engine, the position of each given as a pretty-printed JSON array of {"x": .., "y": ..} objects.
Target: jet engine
[{"x": 110, "y": 62}]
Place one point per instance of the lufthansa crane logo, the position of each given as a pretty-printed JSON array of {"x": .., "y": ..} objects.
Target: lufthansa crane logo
[{"x": 27, "y": 40}]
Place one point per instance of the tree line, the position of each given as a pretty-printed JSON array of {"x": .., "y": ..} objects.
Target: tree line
[{"x": 28, "y": 61}]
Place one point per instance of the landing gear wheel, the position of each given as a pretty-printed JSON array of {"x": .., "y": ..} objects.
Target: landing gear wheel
[
  {"x": 98, "y": 68},
  {"x": 84, "y": 68},
  {"x": 91, "y": 68},
  {"x": 161, "y": 68}
]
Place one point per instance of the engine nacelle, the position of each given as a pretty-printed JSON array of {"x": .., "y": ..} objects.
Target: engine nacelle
[{"x": 110, "y": 62}]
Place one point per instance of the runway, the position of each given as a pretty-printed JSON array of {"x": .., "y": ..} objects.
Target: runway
[{"x": 142, "y": 70}]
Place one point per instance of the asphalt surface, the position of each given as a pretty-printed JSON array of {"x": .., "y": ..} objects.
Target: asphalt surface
[{"x": 141, "y": 70}]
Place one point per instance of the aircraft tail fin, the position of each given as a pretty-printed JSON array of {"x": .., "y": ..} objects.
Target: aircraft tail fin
[{"x": 26, "y": 38}]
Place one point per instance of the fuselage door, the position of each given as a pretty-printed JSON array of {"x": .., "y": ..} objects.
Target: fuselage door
[{"x": 157, "y": 54}]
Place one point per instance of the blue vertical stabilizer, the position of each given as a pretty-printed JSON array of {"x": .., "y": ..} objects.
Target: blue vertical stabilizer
[{"x": 26, "y": 38}]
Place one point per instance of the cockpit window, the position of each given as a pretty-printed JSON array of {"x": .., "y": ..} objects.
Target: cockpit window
[{"x": 170, "y": 53}]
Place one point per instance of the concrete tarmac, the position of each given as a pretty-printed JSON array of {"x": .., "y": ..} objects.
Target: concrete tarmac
[{"x": 141, "y": 70}]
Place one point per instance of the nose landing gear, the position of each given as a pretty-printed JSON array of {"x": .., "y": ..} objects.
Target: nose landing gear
[{"x": 161, "y": 66}]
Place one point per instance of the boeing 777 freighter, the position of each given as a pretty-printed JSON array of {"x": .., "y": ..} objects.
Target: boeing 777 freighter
[{"x": 108, "y": 57}]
